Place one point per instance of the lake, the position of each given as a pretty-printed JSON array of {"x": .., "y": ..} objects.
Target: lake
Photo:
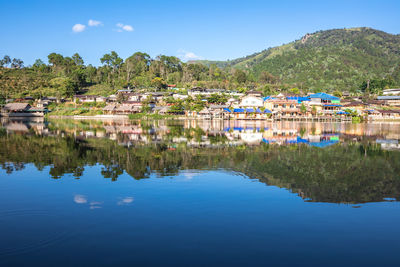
[{"x": 196, "y": 193}]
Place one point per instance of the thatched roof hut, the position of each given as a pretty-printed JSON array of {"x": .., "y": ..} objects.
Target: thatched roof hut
[
  {"x": 16, "y": 107},
  {"x": 110, "y": 108}
]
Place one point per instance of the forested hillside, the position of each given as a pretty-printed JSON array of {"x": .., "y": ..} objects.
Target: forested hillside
[
  {"x": 340, "y": 59},
  {"x": 354, "y": 60}
]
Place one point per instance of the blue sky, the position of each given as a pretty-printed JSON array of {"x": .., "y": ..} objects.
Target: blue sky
[{"x": 215, "y": 30}]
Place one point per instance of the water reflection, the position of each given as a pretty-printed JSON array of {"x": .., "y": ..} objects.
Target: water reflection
[{"x": 325, "y": 162}]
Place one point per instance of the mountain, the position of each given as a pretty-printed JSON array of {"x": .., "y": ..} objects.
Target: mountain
[{"x": 329, "y": 60}]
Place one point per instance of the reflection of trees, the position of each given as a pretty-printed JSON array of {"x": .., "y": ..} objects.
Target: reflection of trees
[
  {"x": 112, "y": 171},
  {"x": 347, "y": 173}
]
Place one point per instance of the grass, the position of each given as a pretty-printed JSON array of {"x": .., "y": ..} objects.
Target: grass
[
  {"x": 73, "y": 110},
  {"x": 149, "y": 116}
]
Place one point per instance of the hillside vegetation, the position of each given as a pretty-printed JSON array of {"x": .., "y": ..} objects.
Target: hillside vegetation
[{"x": 339, "y": 59}]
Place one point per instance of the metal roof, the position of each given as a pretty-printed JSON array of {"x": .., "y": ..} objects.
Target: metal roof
[
  {"x": 324, "y": 96},
  {"x": 389, "y": 97}
]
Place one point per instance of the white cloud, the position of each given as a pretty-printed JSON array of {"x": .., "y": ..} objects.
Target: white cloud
[
  {"x": 80, "y": 199},
  {"x": 78, "y": 28},
  {"x": 94, "y": 23},
  {"x": 128, "y": 28},
  {"x": 95, "y": 205},
  {"x": 124, "y": 27},
  {"x": 187, "y": 55},
  {"x": 125, "y": 201}
]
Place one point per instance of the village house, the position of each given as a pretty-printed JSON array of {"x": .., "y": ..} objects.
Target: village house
[
  {"x": 384, "y": 114},
  {"x": 356, "y": 106},
  {"x": 127, "y": 108},
  {"x": 134, "y": 96},
  {"x": 282, "y": 106},
  {"x": 233, "y": 102},
  {"x": 110, "y": 109},
  {"x": 138, "y": 104},
  {"x": 111, "y": 99},
  {"x": 251, "y": 101},
  {"x": 389, "y": 92},
  {"x": 218, "y": 111},
  {"x": 22, "y": 110},
  {"x": 324, "y": 103},
  {"x": 208, "y": 92},
  {"x": 390, "y": 100},
  {"x": 42, "y": 103},
  {"x": 89, "y": 98},
  {"x": 124, "y": 91},
  {"x": 204, "y": 114},
  {"x": 171, "y": 87},
  {"x": 180, "y": 96},
  {"x": 157, "y": 96},
  {"x": 254, "y": 93}
]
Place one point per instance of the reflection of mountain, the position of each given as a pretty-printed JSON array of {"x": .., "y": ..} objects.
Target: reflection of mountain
[{"x": 354, "y": 172}]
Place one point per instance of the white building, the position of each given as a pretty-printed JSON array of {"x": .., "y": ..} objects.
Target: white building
[{"x": 251, "y": 101}]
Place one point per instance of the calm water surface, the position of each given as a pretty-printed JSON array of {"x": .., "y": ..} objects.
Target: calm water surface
[{"x": 74, "y": 193}]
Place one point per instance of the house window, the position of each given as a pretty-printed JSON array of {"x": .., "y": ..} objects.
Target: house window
[
  {"x": 284, "y": 105},
  {"x": 291, "y": 106},
  {"x": 276, "y": 106}
]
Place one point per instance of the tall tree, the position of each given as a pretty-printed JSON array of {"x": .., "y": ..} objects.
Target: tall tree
[
  {"x": 5, "y": 61},
  {"x": 77, "y": 59},
  {"x": 17, "y": 63}
]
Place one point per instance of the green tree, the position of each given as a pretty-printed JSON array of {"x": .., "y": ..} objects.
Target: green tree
[
  {"x": 159, "y": 83},
  {"x": 303, "y": 108},
  {"x": 56, "y": 61},
  {"x": 5, "y": 61},
  {"x": 63, "y": 86},
  {"x": 17, "y": 63},
  {"x": 295, "y": 90},
  {"x": 77, "y": 59},
  {"x": 337, "y": 94},
  {"x": 240, "y": 76}
]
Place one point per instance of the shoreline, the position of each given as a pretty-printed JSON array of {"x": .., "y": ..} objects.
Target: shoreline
[{"x": 126, "y": 117}]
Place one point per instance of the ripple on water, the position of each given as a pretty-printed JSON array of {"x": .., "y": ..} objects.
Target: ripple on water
[{"x": 28, "y": 230}]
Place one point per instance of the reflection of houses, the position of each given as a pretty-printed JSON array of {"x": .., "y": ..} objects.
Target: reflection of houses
[
  {"x": 389, "y": 144},
  {"x": 323, "y": 140},
  {"x": 251, "y": 136},
  {"x": 280, "y": 135}
]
